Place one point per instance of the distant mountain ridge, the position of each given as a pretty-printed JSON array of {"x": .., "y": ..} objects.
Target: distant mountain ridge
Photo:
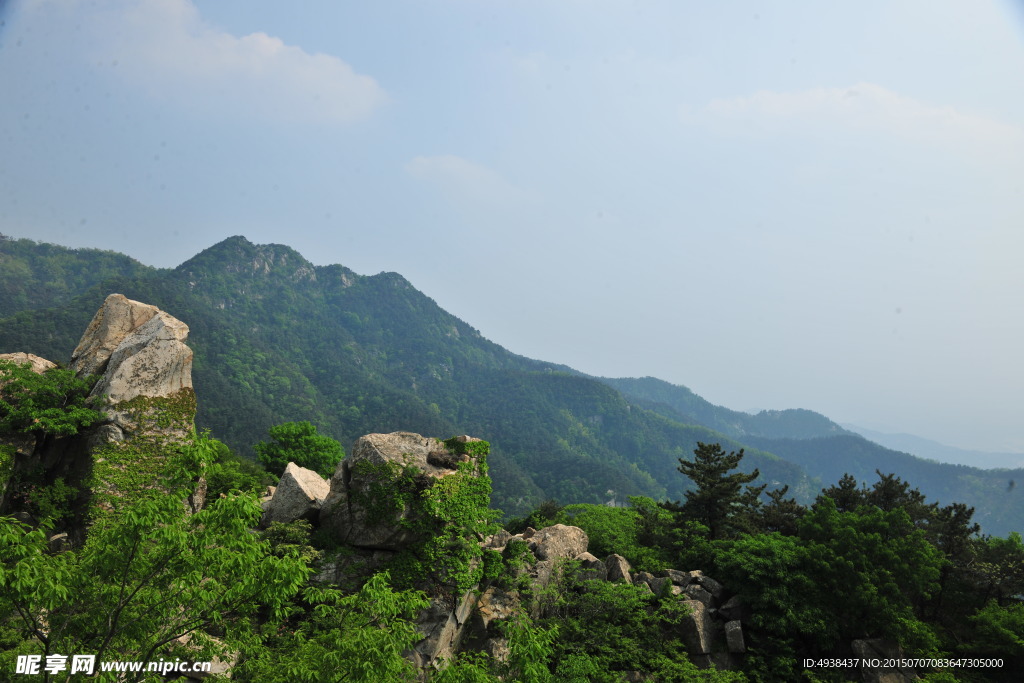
[
  {"x": 933, "y": 450},
  {"x": 277, "y": 338},
  {"x": 680, "y": 403}
]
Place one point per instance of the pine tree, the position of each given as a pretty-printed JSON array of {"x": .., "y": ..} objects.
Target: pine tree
[{"x": 720, "y": 501}]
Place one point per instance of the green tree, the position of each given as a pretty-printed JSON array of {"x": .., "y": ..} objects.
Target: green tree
[
  {"x": 1000, "y": 630},
  {"x": 719, "y": 502},
  {"x": 360, "y": 637},
  {"x": 230, "y": 472},
  {"x": 846, "y": 494},
  {"x": 300, "y": 443},
  {"x": 999, "y": 569},
  {"x": 608, "y": 629},
  {"x": 874, "y": 567},
  {"x": 146, "y": 578},
  {"x": 778, "y": 578},
  {"x": 781, "y": 514},
  {"x": 51, "y": 403}
]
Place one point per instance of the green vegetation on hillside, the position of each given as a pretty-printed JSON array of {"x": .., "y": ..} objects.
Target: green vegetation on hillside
[
  {"x": 861, "y": 562},
  {"x": 36, "y": 275},
  {"x": 155, "y": 581}
]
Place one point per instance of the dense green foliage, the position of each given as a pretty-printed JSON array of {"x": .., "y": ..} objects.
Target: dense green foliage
[
  {"x": 606, "y": 629},
  {"x": 360, "y": 637},
  {"x": 145, "y": 578},
  {"x": 52, "y": 403},
  {"x": 229, "y": 472},
  {"x": 862, "y": 562},
  {"x": 300, "y": 443},
  {"x": 445, "y": 518}
]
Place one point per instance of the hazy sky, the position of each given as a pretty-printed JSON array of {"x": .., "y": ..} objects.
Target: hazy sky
[{"x": 778, "y": 204}]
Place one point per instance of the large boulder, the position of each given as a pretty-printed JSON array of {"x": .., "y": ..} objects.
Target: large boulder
[
  {"x": 38, "y": 363},
  {"x": 734, "y": 637},
  {"x": 152, "y": 360},
  {"x": 698, "y": 628},
  {"x": 591, "y": 568},
  {"x": 117, "y": 318},
  {"x": 734, "y": 609},
  {"x": 145, "y": 390},
  {"x": 442, "y": 627},
  {"x": 373, "y": 490},
  {"x": 559, "y": 542},
  {"x": 298, "y": 495},
  {"x": 145, "y": 371},
  {"x": 141, "y": 353},
  {"x": 618, "y": 568}
]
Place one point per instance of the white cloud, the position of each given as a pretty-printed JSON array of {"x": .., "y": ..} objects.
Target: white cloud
[
  {"x": 865, "y": 107},
  {"x": 165, "y": 46},
  {"x": 465, "y": 182}
]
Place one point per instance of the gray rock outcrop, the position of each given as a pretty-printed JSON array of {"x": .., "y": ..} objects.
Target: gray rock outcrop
[
  {"x": 559, "y": 542},
  {"x": 362, "y": 508},
  {"x": 115, "y": 320},
  {"x": 145, "y": 390},
  {"x": 139, "y": 351},
  {"x": 618, "y": 568},
  {"x": 38, "y": 363},
  {"x": 698, "y": 628},
  {"x": 298, "y": 495},
  {"x": 734, "y": 637},
  {"x": 591, "y": 568}
]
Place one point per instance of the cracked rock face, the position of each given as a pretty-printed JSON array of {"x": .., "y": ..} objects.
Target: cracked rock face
[
  {"x": 117, "y": 318},
  {"x": 139, "y": 349}
]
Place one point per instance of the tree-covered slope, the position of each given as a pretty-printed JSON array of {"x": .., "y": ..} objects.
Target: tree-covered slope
[
  {"x": 998, "y": 501},
  {"x": 36, "y": 275}
]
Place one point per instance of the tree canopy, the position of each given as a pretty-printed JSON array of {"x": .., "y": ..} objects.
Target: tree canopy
[
  {"x": 720, "y": 501},
  {"x": 299, "y": 442},
  {"x": 53, "y": 402}
]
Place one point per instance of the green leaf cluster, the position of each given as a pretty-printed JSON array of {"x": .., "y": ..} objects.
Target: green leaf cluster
[
  {"x": 150, "y": 582},
  {"x": 299, "y": 442},
  {"x": 54, "y": 402}
]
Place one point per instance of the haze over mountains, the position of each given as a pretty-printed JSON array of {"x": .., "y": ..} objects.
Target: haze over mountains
[
  {"x": 926, "y": 448},
  {"x": 277, "y": 339}
]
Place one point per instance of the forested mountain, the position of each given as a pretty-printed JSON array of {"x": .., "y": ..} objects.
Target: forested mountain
[
  {"x": 277, "y": 339},
  {"x": 679, "y": 403},
  {"x": 34, "y": 275}
]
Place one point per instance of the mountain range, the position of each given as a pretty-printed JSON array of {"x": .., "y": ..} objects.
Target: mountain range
[{"x": 278, "y": 339}]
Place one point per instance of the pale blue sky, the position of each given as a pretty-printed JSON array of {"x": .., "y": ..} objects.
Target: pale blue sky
[{"x": 778, "y": 204}]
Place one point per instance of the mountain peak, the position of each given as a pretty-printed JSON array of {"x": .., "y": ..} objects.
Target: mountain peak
[{"x": 238, "y": 255}]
